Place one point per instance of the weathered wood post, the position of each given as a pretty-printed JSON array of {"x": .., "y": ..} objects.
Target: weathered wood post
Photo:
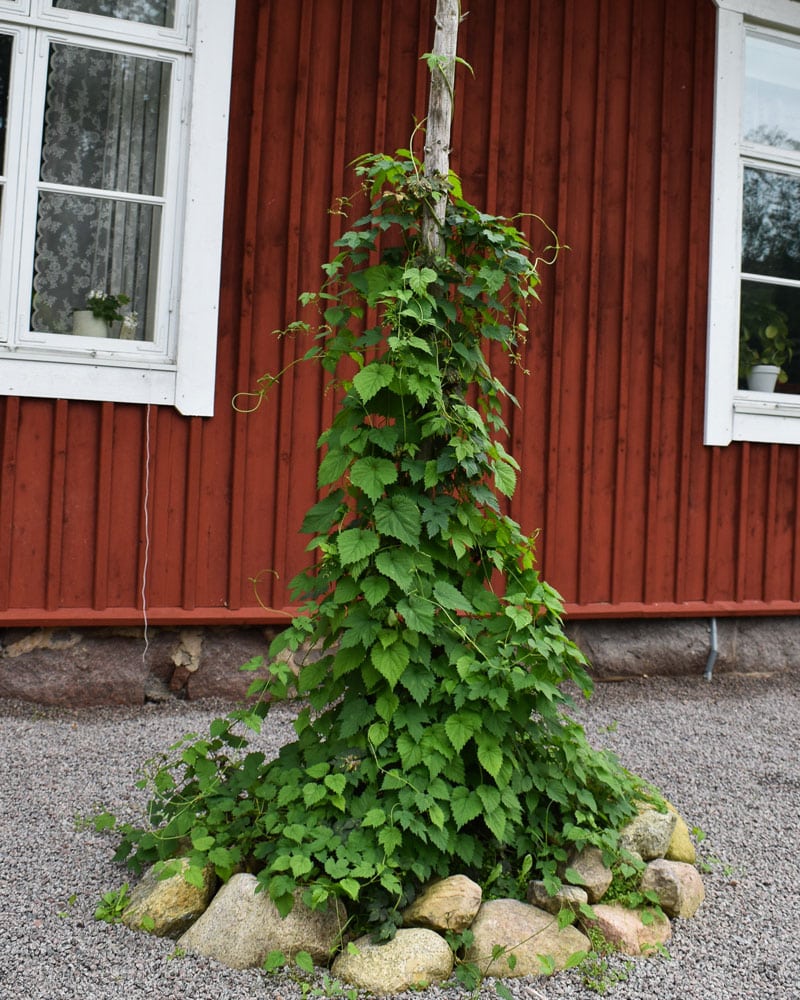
[{"x": 436, "y": 164}]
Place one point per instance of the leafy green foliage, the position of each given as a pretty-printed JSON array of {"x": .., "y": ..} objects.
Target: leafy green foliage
[
  {"x": 436, "y": 737},
  {"x": 113, "y": 904}
]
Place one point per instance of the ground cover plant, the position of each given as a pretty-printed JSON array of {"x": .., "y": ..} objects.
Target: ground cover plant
[{"x": 436, "y": 736}]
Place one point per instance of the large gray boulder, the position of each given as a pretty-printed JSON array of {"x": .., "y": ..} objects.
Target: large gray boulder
[
  {"x": 242, "y": 926},
  {"x": 416, "y": 957},
  {"x": 524, "y": 931}
]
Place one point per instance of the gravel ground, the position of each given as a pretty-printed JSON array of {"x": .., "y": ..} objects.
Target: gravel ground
[{"x": 726, "y": 753}]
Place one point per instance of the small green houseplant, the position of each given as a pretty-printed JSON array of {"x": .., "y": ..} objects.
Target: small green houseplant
[{"x": 763, "y": 335}]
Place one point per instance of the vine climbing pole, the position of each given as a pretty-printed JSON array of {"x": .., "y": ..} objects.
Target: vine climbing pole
[{"x": 442, "y": 62}]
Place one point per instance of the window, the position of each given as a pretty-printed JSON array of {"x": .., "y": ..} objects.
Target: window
[
  {"x": 113, "y": 131},
  {"x": 754, "y": 290}
]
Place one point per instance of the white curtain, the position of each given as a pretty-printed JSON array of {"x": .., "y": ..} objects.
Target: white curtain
[{"x": 104, "y": 124}]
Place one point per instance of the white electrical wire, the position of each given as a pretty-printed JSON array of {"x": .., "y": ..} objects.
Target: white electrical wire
[{"x": 146, "y": 563}]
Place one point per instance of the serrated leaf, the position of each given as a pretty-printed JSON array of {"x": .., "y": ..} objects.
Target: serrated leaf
[
  {"x": 399, "y": 517},
  {"x": 332, "y": 467},
  {"x": 274, "y": 960},
  {"x": 521, "y": 617},
  {"x": 398, "y": 564},
  {"x": 505, "y": 479},
  {"x": 377, "y": 733},
  {"x": 375, "y": 817},
  {"x": 371, "y": 379},
  {"x": 391, "y": 662},
  {"x": 374, "y": 589},
  {"x": 417, "y": 613},
  {"x": 373, "y": 475},
  {"x": 490, "y": 756},
  {"x": 194, "y": 876},
  {"x": 464, "y": 805},
  {"x": 313, "y": 793},
  {"x": 450, "y": 597},
  {"x": 390, "y": 838},
  {"x": 304, "y": 961},
  {"x": 354, "y": 544},
  {"x": 323, "y": 515},
  {"x": 459, "y": 731},
  {"x": 350, "y": 887}
]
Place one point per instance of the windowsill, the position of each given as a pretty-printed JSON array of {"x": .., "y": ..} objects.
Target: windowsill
[{"x": 766, "y": 417}]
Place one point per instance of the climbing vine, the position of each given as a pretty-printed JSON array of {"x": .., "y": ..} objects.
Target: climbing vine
[{"x": 435, "y": 735}]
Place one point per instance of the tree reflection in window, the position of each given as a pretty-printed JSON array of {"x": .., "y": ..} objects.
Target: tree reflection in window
[{"x": 156, "y": 12}]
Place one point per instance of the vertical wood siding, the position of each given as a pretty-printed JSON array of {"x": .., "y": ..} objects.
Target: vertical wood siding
[{"x": 594, "y": 115}]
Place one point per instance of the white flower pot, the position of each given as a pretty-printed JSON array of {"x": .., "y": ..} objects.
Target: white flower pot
[
  {"x": 762, "y": 378},
  {"x": 86, "y": 324}
]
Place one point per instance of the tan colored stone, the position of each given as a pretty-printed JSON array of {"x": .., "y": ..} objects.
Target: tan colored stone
[
  {"x": 524, "y": 931},
  {"x": 649, "y": 833},
  {"x": 680, "y": 847},
  {"x": 450, "y": 904},
  {"x": 242, "y": 926},
  {"x": 626, "y": 931},
  {"x": 595, "y": 873},
  {"x": 168, "y": 906},
  {"x": 416, "y": 957},
  {"x": 678, "y": 885},
  {"x": 568, "y": 897}
]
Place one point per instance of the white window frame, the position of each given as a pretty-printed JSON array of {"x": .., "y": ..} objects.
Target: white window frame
[
  {"x": 732, "y": 414},
  {"x": 179, "y": 369}
]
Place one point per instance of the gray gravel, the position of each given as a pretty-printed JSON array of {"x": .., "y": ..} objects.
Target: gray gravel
[{"x": 726, "y": 753}]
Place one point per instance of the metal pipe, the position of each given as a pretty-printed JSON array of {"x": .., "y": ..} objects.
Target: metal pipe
[{"x": 712, "y": 656}]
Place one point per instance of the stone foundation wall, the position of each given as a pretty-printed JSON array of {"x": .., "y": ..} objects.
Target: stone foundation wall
[{"x": 112, "y": 666}]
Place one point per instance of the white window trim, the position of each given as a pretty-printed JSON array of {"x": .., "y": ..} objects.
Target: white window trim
[
  {"x": 186, "y": 377},
  {"x": 732, "y": 414}
]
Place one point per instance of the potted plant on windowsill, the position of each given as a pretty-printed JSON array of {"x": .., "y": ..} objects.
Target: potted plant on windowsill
[
  {"x": 765, "y": 347},
  {"x": 101, "y": 311}
]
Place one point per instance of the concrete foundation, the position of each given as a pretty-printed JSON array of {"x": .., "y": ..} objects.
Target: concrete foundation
[{"x": 106, "y": 666}]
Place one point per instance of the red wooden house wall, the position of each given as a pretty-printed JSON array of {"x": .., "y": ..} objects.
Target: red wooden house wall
[{"x": 595, "y": 114}]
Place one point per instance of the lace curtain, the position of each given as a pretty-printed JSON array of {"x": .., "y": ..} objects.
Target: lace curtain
[{"x": 103, "y": 129}]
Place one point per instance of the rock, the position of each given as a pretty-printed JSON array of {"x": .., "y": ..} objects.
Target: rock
[
  {"x": 450, "y": 904},
  {"x": 568, "y": 897},
  {"x": 170, "y": 903},
  {"x": 523, "y": 931},
  {"x": 594, "y": 871},
  {"x": 649, "y": 833},
  {"x": 626, "y": 931},
  {"x": 416, "y": 957},
  {"x": 678, "y": 885},
  {"x": 242, "y": 926},
  {"x": 680, "y": 846}
]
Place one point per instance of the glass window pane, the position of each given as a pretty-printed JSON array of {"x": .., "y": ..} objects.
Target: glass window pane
[
  {"x": 157, "y": 12},
  {"x": 105, "y": 120},
  {"x": 94, "y": 245},
  {"x": 5, "y": 80},
  {"x": 769, "y": 331},
  {"x": 771, "y": 223},
  {"x": 772, "y": 92}
]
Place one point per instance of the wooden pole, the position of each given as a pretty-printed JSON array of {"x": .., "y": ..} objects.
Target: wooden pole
[{"x": 436, "y": 165}]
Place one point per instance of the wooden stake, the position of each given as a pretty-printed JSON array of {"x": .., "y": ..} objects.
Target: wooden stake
[{"x": 436, "y": 164}]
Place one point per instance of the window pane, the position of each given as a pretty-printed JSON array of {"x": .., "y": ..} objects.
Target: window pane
[
  {"x": 770, "y": 330},
  {"x": 105, "y": 120},
  {"x": 771, "y": 223},
  {"x": 86, "y": 245},
  {"x": 5, "y": 78},
  {"x": 772, "y": 92},
  {"x": 158, "y": 12}
]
